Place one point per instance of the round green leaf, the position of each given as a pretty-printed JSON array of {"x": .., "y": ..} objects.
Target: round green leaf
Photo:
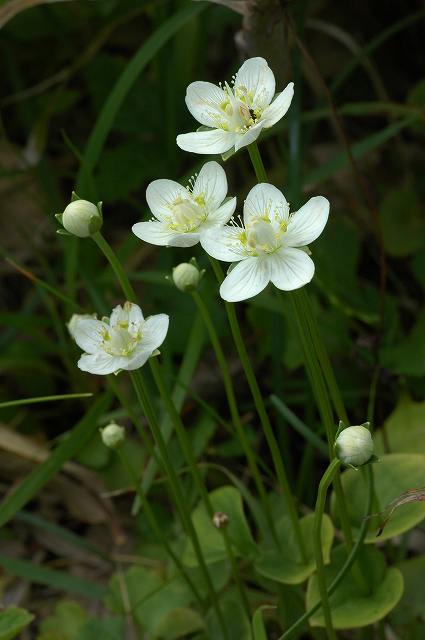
[
  {"x": 179, "y": 623},
  {"x": 226, "y": 500},
  {"x": 394, "y": 474},
  {"x": 285, "y": 565},
  {"x": 236, "y": 621},
  {"x": 12, "y": 621},
  {"x": 351, "y": 605}
]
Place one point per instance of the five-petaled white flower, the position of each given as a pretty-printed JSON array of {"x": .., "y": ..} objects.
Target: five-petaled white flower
[
  {"x": 270, "y": 246},
  {"x": 184, "y": 214},
  {"x": 124, "y": 341},
  {"x": 235, "y": 115}
]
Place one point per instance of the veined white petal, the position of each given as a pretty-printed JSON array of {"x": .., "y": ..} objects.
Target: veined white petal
[
  {"x": 243, "y": 140},
  {"x": 87, "y": 332},
  {"x": 223, "y": 213},
  {"x": 211, "y": 185},
  {"x": 223, "y": 243},
  {"x": 265, "y": 200},
  {"x": 203, "y": 100},
  {"x": 184, "y": 239},
  {"x": 153, "y": 232},
  {"x": 280, "y": 105},
  {"x": 129, "y": 317},
  {"x": 205, "y": 142},
  {"x": 246, "y": 279},
  {"x": 154, "y": 331},
  {"x": 160, "y": 194},
  {"x": 290, "y": 268},
  {"x": 308, "y": 222},
  {"x": 257, "y": 77},
  {"x": 101, "y": 363},
  {"x": 138, "y": 358}
]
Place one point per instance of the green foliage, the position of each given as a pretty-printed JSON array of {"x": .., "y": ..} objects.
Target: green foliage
[
  {"x": 226, "y": 500},
  {"x": 12, "y": 621},
  {"x": 354, "y": 606},
  {"x": 393, "y": 475},
  {"x": 285, "y": 565}
]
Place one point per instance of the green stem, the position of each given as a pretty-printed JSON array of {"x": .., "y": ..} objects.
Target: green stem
[
  {"x": 289, "y": 633},
  {"x": 257, "y": 162},
  {"x": 234, "y": 412},
  {"x": 194, "y": 469},
  {"x": 178, "y": 492},
  {"x": 317, "y": 544},
  {"x": 117, "y": 268},
  {"x": 154, "y": 524},
  {"x": 264, "y": 419}
]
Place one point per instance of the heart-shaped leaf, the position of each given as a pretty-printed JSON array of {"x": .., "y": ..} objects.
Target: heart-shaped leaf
[{"x": 351, "y": 605}]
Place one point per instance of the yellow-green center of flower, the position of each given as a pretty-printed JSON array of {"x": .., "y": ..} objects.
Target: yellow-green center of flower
[
  {"x": 118, "y": 341},
  {"x": 262, "y": 237},
  {"x": 187, "y": 214}
]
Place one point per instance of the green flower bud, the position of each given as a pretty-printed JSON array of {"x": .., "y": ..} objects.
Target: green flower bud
[
  {"x": 354, "y": 446},
  {"x": 81, "y": 218},
  {"x": 186, "y": 276},
  {"x": 112, "y": 435}
]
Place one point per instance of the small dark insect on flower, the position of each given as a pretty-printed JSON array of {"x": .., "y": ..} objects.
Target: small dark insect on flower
[{"x": 252, "y": 114}]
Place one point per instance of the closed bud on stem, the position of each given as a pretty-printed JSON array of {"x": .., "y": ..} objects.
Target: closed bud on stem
[
  {"x": 354, "y": 445},
  {"x": 186, "y": 276},
  {"x": 112, "y": 435},
  {"x": 81, "y": 218}
]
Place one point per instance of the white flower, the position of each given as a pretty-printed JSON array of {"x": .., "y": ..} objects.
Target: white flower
[
  {"x": 183, "y": 214},
  {"x": 270, "y": 244},
  {"x": 235, "y": 115},
  {"x": 124, "y": 341}
]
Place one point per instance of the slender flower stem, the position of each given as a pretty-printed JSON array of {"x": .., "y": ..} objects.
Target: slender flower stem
[
  {"x": 116, "y": 265},
  {"x": 191, "y": 460},
  {"x": 257, "y": 162},
  {"x": 234, "y": 412},
  {"x": 177, "y": 490},
  {"x": 154, "y": 524},
  {"x": 264, "y": 419},
  {"x": 315, "y": 359},
  {"x": 317, "y": 544}
]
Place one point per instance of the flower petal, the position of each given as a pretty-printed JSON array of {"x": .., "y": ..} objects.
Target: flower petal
[
  {"x": 250, "y": 136},
  {"x": 87, "y": 332},
  {"x": 308, "y": 222},
  {"x": 154, "y": 331},
  {"x": 246, "y": 279},
  {"x": 184, "y": 240},
  {"x": 204, "y": 142},
  {"x": 211, "y": 184},
  {"x": 265, "y": 199},
  {"x": 257, "y": 77},
  {"x": 160, "y": 194},
  {"x": 290, "y": 269},
  {"x": 223, "y": 213},
  {"x": 138, "y": 358},
  {"x": 101, "y": 363},
  {"x": 153, "y": 232},
  {"x": 278, "y": 107},
  {"x": 223, "y": 243},
  {"x": 203, "y": 100}
]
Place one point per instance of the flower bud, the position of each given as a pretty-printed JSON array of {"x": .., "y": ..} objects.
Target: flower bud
[
  {"x": 81, "y": 218},
  {"x": 220, "y": 519},
  {"x": 186, "y": 276},
  {"x": 112, "y": 435},
  {"x": 354, "y": 446}
]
